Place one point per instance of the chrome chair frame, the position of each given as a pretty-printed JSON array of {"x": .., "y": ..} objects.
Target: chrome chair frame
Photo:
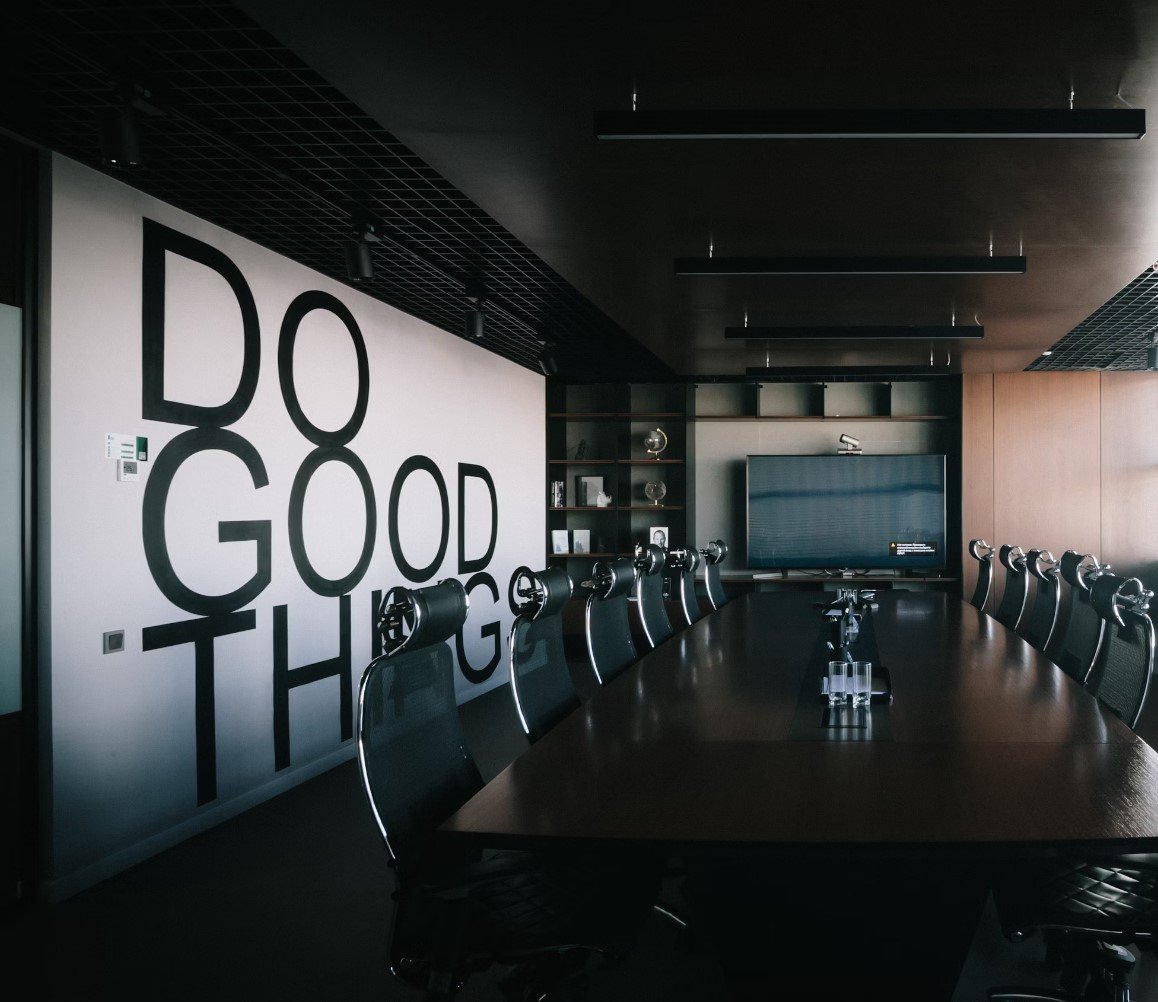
[
  {"x": 685, "y": 562},
  {"x": 984, "y": 572},
  {"x": 714, "y": 554},
  {"x": 610, "y": 582}
]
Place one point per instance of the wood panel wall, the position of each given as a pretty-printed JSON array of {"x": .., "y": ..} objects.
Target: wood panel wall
[{"x": 1062, "y": 460}]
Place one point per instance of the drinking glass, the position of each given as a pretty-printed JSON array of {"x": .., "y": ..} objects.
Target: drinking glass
[
  {"x": 837, "y": 688},
  {"x": 860, "y": 682}
]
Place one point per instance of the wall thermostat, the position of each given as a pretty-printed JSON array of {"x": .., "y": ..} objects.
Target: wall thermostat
[{"x": 128, "y": 469}]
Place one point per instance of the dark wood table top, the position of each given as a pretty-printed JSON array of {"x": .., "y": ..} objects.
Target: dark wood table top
[{"x": 988, "y": 745}]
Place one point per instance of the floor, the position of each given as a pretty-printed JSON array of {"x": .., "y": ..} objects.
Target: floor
[{"x": 287, "y": 901}]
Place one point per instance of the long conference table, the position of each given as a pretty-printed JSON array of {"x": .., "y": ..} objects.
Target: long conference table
[{"x": 713, "y": 747}]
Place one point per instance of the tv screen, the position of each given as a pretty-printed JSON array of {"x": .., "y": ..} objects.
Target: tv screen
[{"x": 830, "y": 512}]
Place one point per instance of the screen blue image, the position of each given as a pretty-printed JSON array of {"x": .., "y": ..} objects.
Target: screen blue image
[{"x": 857, "y": 512}]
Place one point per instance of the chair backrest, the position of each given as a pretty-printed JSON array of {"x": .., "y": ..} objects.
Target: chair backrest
[
  {"x": 714, "y": 554},
  {"x": 1012, "y": 605},
  {"x": 1037, "y": 628},
  {"x": 540, "y": 679},
  {"x": 609, "y": 643},
  {"x": 1075, "y": 648},
  {"x": 415, "y": 765},
  {"x": 982, "y": 552},
  {"x": 649, "y": 596},
  {"x": 1120, "y": 677},
  {"x": 684, "y": 562}
]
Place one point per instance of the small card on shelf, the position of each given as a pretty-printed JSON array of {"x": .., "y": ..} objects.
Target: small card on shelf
[
  {"x": 559, "y": 541},
  {"x": 581, "y": 541}
]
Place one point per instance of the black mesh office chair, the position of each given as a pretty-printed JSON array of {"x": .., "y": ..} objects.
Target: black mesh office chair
[
  {"x": 1012, "y": 606},
  {"x": 982, "y": 552},
  {"x": 714, "y": 554},
  {"x": 1120, "y": 677},
  {"x": 1075, "y": 648},
  {"x": 540, "y": 680},
  {"x": 684, "y": 563},
  {"x": 1091, "y": 906},
  {"x": 1037, "y": 628},
  {"x": 455, "y": 915},
  {"x": 649, "y": 594},
  {"x": 609, "y": 643}
]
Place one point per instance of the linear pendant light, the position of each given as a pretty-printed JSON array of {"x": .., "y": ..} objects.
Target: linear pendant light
[
  {"x": 898, "y": 332},
  {"x": 904, "y": 123},
  {"x": 850, "y": 265}
]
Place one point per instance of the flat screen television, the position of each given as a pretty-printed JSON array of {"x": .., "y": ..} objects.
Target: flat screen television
[{"x": 841, "y": 512}]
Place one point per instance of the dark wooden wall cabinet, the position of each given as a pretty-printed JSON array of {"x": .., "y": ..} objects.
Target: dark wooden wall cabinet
[{"x": 596, "y": 436}]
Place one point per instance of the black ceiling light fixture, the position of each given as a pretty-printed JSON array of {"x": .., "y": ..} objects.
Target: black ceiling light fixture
[
  {"x": 901, "y": 123},
  {"x": 843, "y": 265},
  {"x": 548, "y": 363},
  {"x": 120, "y": 127},
  {"x": 1152, "y": 353},
  {"x": 880, "y": 332},
  {"x": 475, "y": 320},
  {"x": 359, "y": 262}
]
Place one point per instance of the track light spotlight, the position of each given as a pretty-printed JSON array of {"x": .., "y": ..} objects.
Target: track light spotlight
[
  {"x": 474, "y": 321},
  {"x": 359, "y": 263},
  {"x": 121, "y": 138},
  {"x": 548, "y": 364},
  {"x": 475, "y": 326}
]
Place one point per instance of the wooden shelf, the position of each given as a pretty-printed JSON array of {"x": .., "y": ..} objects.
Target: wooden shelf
[
  {"x": 821, "y": 417},
  {"x": 582, "y": 462},
  {"x": 652, "y": 462},
  {"x": 615, "y": 416},
  {"x": 580, "y": 507},
  {"x": 584, "y": 556},
  {"x": 618, "y": 507},
  {"x": 658, "y": 509}
]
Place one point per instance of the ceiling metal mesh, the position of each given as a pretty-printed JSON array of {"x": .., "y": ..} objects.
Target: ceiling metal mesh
[
  {"x": 252, "y": 139},
  {"x": 1114, "y": 336}
]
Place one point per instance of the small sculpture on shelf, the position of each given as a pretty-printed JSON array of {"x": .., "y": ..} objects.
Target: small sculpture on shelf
[
  {"x": 655, "y": 491},
  {"x": 654, "y": 442}
]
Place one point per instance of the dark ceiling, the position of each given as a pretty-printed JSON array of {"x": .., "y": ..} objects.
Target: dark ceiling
[
  {"x": 500, "y": 100},
  {"x": 468, "y": 130}
]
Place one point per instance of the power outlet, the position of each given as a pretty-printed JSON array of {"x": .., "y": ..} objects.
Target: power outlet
[{"x": 113, "y": 642}]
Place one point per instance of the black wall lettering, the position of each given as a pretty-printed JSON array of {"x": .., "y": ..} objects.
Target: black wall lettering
[
  {"x": 479, "y": 473},
  {"x": 375, "y": 633},
  {"x": 201, "y": 634},
  {"x": 409, "y": 571},
  {"x": 165, "y": 467},
  {"x": 155, "y": 406},
  {"x": 306, "y": 303},
  {"x": 286, "y": 678},
  {"x": 330, "y": 587},
  {"x": 471, "y": 674}
]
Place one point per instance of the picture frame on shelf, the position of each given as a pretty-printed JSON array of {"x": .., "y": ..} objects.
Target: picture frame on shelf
[
  {"x": 659, "y": 535},
  {"x": 581, "y": 541},
  {"x": 587, "y": 489},
  {"x": 560, "y": 543}
]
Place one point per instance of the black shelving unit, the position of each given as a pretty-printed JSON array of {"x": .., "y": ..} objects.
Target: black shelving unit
[{"x": 598, "y": 430}]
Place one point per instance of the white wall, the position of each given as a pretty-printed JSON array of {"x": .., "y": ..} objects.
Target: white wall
[
  {"x": 126, "y": 727},
  {"x": 11, "y": 530}
]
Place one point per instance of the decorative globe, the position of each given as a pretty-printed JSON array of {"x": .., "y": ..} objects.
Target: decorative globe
[
  {"x": 655, "y": 491},
  {"x": 655, "y": 441}
]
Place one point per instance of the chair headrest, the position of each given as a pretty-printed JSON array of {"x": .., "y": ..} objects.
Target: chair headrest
[
  {"x": 1041, "y": 564},
  {"x": 1013, "y": 558},
  {"x": 1079, "y": 569},
  {"x": 612, "y": 578},
  {"x": 686, "y": 560},
  {"x": 651, "y": 560},
  {"x": 543, "y": 593},
  {"x": 412, "y": 618},
  {"x": 976, "y": 546},
  {"x": 715, "y": 551},
  {"x": 1111, "y": 594}
]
